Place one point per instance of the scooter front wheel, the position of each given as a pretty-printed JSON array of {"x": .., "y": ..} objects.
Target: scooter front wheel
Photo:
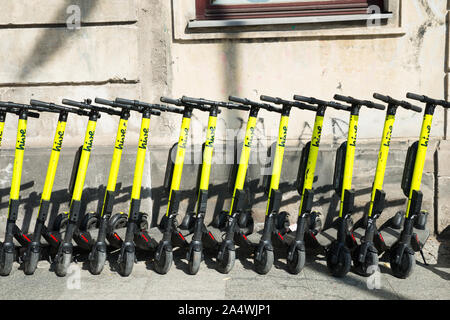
[
  {"x": 163, "y": 264},
  {"x": 63, "y": 264},
  {"x": 126, "y": 264},
  {"x": 297, "y": 263},
  {"x": 406, "y": 266},
  {"x": 194, "y": 262},
  {"x": 339, "y": 266},
  {"x": 369, "y": 265},
  {"x": 98, "y": 262},
  {"x": 227, "y": 262},
  {"x": 6, "y": 262},
  {"x": 30, "y": 264},
  {"x": 263, "y": 265}
]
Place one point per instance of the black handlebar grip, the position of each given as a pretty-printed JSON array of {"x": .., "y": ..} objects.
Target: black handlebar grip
[
  {"x": 33, "y": 114},
  {"x": 337, "y": 106},
  {"x": 176, "y": 102},
  {"x": 105, "y": 102},
  {"x": 302, "y": 98},
  {"x": 414, "y": 108},
  {"x": 374, "y": 105},
  {"x": 236, "y": 106},
  {"x": 38, "y": 103},
  {"x": 414, "y": 96},
  {"x": 305, "y": 106},
  {"x": 192, "y": 100},
  {"x": 74, "y": 103},
  {"x": 382, "y": 97},
  {"x": 238, "y": 100},
  {"x": 125, "y": 101},
  {"x": 269, "y": 99},
  {"x": 342, "y": 98}
]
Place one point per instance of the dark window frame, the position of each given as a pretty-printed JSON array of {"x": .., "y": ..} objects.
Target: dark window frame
[{"x": 207, "y": 11}]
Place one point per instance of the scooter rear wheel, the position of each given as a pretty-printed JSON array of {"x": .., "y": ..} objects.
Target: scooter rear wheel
[
  {"x": 343, "y": 263},
  {"x": 63, "y": 264},
  {"x": 369, "y": 265},
  {"x": 30, "y": 264},
  {"x": 297, "y": 263},
  {"x": 127, "y": 263},
  {"x": 163, "y": 264},
  {"x": 264, "y": 265},
  {"x": 6, "y": 262},
  {"x": 227, "y": 263},
  {"x": 194, "y": 262},
  {"x": 98, "y": 262},
  {"x": 406, "y": 266}
]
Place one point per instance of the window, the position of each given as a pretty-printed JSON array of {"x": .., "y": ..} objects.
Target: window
[{"x": 248, "y": 9}]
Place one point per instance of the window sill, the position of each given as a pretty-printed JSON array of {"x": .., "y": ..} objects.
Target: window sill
[
  {"x": 187, "y": 29},
  {"x": 195, "y": 24}
]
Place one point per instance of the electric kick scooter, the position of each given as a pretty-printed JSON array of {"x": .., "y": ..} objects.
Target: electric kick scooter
[
  {"x": 401, "y": 243},
  {"x": 64, "y": 251},
  {"x": 338, "y": 240},
  {"x": 8, "y": 250},
  {"x": 198, "y": 230},
  {"x": 32, "y": 243},
  {"x": 228, "y": 224},
  {"x": 261, "y": 243},
  {"x": 163, "y": 255},
  {"x": 308, "y": 223},
  {"x": 135, "y": 234},
  {"x": 365, "y": 257},
  {"x": 97, "y": 256}
]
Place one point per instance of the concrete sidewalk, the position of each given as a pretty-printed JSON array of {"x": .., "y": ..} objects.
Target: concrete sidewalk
[{"x": 314, "y": 282}]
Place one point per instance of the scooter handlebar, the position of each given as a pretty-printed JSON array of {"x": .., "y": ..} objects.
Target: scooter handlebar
[
  {"x": 277, "y": 100},
  {"x": 426, "y": 99},
  {"x": 246, "y": 101},
  {"x": 399, "y": 103},
  {"x": 140, "y": 104},
  {"x": 16, "y": 111},
  {"x": 180, "y": 103},
  {"x": 417, "y": 97},
  {"x": 383, "y": 98},
  {"x": 87, "y": 105},
  {"x": 212, "y": 103},
  {"x": 117, "y": 104},
  {"x": 176, "y": 102},
  {"x": 312, "y": 100},
  {"x": 56, "y": 107},
  {"x": 366, "y": 103}
]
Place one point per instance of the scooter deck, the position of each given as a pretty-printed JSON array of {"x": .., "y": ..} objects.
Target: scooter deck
[
  {"x": 215, "y": 235},
  {"x": 327, "y": 236},
  {"x": 359, "y": 233},
  {"x": 390, "y": 236}
]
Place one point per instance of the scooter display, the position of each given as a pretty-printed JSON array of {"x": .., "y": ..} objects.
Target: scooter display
[
  {"x": 337, "y": 239},
  {"x": 365, "y": 257},
  {"x": 261, "y": 243},
  {"x": 308, "y": 222},
  {"x": 406, "y": 232}
]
